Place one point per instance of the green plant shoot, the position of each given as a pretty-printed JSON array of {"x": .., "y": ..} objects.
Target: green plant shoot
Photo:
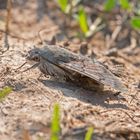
[
  {"x": 4, "y": 92},
  {"x": 82, "y": 18},
  {"x": 89, "y": 133},
  {"x": 55, "y": 125},
  {"x": 124, "y": 4},
  {"x": 135, "y": 22},
  {"x": 63, "y": 5},
  {"x": 109, "y": 5}
]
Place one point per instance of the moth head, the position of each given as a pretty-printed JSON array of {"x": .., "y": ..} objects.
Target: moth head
[{"x": 34, "y": 55}]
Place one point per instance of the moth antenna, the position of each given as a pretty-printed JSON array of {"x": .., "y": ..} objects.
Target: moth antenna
[
  {"x": 21, "y": 66},
  {"x": 32, "y": 67}
]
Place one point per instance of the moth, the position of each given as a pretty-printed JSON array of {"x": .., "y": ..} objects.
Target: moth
[{"x": 63, "y": 64}]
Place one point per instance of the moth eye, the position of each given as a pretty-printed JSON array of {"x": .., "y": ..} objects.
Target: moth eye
[{"x": 36, "y": 59}]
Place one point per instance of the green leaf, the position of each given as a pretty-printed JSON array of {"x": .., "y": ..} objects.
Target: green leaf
[
  {"x": 55, "y": 125},
  {"x": 89, "y": 133},
  {"x": 63, "y": 5},
  {"x": 4, "y": 92},
  {"x": 109, "y": 5},
  {"x": 135, "y": 22},
  {"x": 125, "y": 4},
  {"x": 82, "y": 18}
]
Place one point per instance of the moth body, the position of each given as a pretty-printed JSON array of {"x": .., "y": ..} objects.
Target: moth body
[{"x": 62, "y": 63}]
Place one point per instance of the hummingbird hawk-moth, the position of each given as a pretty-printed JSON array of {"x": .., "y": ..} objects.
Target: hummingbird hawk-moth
[{"x": 61, "y": 63}]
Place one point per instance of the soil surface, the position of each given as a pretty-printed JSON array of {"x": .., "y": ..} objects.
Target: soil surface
[{"x": 26, "y": 112}]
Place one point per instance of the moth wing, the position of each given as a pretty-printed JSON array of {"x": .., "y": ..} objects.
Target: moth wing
[{"x": 96, "y": 71}]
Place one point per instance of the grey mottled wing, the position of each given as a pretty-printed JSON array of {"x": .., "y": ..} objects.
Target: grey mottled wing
[
  {"x": 83, "y": 65},
  {"x": 96, "y": 71}
]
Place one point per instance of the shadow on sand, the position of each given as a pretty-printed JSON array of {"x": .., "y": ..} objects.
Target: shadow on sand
[{"x": 93, "y": 97}]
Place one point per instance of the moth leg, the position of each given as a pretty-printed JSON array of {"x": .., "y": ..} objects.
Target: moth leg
[
  {"x": 90, "y": 84},
  {"x": 39, "y": 77},
  {"x": 93, "y": 85},
  {"x": 43, "y": 75}
]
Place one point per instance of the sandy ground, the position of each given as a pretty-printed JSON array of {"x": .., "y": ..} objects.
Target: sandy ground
[{"x": 27, "y": 111}]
